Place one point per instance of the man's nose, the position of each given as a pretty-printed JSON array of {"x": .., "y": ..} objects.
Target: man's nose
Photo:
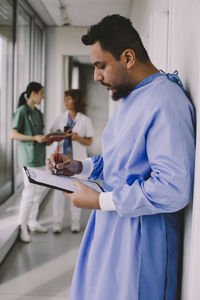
[{"x": 98, "y": 75}]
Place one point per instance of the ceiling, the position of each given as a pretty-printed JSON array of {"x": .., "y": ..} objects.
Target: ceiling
[{"x": 78, "y": 13}]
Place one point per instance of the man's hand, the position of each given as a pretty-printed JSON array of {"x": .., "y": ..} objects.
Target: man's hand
[
  {"x": 64, "y": 166},
  {"x": 84, "y": 197}
]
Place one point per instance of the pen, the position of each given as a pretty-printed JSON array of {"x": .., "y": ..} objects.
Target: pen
[
  {"x": 57, "y": 152},
  {"x": 56, "y": 160}
]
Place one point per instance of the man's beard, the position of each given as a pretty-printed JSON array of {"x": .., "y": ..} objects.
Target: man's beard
[{"x": 121, "y": 93}]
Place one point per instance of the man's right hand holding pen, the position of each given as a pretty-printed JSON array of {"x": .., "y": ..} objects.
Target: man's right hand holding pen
[
  {"x": 64, "y": 165},
  {"x": 85, "y": 196}
]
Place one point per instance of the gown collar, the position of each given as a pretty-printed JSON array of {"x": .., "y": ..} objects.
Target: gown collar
[
  {"x": 171, "y": 76},
  {"x": 148, "y": 79}
]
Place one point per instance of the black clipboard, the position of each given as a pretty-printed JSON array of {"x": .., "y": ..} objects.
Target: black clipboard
[{"x": 58, "y": 182}]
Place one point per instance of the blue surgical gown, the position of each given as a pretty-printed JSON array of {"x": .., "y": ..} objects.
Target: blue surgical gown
[{"x": 147, "y": 162}]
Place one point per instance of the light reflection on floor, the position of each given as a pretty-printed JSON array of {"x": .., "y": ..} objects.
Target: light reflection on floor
[{"x": 43, "y": 269}]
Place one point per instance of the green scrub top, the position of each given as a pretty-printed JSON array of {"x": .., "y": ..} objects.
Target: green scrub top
[{"x": 29, "y": 122}]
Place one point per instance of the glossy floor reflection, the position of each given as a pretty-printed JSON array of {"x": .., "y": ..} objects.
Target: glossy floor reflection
[{"x": 43, "y": 269}]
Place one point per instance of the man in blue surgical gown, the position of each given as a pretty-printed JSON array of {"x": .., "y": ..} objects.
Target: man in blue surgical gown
[{"x": 131, "y": 246}]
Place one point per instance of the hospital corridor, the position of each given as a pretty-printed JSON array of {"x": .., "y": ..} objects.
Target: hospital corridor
[{"x": 64, "y": 64}]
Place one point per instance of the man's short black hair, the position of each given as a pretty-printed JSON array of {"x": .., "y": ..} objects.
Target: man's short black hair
[{"x": 116, "y": 33}]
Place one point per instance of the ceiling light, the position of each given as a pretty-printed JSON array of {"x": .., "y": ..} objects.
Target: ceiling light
[{"x": 63, "y": 14}]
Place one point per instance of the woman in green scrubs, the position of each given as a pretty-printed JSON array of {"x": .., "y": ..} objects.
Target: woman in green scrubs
[{"x": 27, "y": 128}]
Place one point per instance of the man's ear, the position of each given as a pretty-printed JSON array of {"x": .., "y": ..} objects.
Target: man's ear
[{"x": 128, "y": 58}]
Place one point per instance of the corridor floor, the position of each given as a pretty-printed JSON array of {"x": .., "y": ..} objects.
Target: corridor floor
[{"x": 42, "y": 270}]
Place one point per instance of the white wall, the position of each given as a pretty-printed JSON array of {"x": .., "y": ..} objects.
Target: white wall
[
  {"x": 184, "y": 55},
  {"x": 140, "y": 15}
]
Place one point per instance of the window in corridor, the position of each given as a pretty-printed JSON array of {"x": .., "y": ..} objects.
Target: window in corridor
[{"x": 6, "y": 95}]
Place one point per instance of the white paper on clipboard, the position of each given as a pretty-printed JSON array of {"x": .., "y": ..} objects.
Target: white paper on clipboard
[{"x": 59, "y": 182}]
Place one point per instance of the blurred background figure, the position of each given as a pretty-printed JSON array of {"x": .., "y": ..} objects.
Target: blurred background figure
[
  {"x": 27, "y": 128},
  {"x": 79, "y": 132}
]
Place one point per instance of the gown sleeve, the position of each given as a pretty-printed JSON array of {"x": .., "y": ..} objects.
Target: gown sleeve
[
  {"x": 170, "y": 151},
  {"x": 97, "y": 172}
]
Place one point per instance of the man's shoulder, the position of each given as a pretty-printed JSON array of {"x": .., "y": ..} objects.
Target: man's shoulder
[
  {"x": 161, "y": 94},
  {"x": 164, "y": 90},
  {"x": 164, "y": 84}
]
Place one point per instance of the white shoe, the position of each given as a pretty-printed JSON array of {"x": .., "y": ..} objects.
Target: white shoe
[
  {"x": 37, "y": 227},
  {"x": 57, "y": 228},
  {"x": 24, "y": 235},
  {"x": 75, "y": 226}
]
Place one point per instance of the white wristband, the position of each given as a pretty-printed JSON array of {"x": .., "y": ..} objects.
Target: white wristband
[{"x": 106, "y": 202}]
